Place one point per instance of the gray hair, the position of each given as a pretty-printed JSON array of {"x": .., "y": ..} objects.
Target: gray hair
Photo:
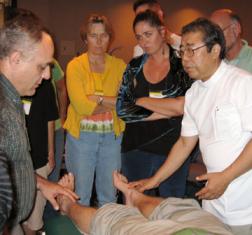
[{"x": 21, "y": 33}]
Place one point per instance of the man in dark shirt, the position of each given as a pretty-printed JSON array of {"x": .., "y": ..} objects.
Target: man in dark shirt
[
  {"x": 41, "y": 112},
  {"x": 26, "y": 52}
]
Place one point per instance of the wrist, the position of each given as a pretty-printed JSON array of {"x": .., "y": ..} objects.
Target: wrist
[
  {"x": 100, "y": 100},
  {"x": 156, "y": 180}
]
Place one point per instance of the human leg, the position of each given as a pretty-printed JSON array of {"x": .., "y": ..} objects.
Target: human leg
[
  {"x": 16, "y": 230},
  {"x": 59, "y": 150},
  {"x": 108, "y": 160},
  {"x": 80, "y": 215},
  {"x": 113, "y": 219},
  {"x": 35, "y": 221},
  {"x": 243, "y": 229},
  {"x": 55, "y": 174},
  {"x": 81, "y": 161},
  {"x": 187, "y": 213},
  {"x": 138, "y": 165},
  {"x": 144, "y": 203},
  {"x": 175, "y": 185}
]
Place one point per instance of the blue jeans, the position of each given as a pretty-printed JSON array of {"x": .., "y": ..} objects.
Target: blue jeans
[
  {"x": 59, "y": 150},
  {"x": 94, "y": 154},
  {"x": 138, "y": 164}
]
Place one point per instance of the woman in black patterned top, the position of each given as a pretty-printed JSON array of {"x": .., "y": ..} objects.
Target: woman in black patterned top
[{"x": 150, "y": 101}]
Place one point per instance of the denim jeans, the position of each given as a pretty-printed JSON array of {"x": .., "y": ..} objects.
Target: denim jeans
[
  {"x": 138, "y": 164},
  {"x": 94, "y": 154}
]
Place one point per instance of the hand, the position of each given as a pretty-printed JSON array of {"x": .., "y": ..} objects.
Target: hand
[
  {"x": 93, "y": 98},
  {"x": 156, "y": 116},
  {"x": 144, "y": 184},
  {"x": 51, "y": 190},
  {"x": 215, "y": 186}
]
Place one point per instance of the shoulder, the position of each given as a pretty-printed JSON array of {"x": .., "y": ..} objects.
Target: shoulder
[
  {"x": 78, "y": 61},
  {"x": 237, "y": 72},
  {"x": 192, "y": 91},
  {"x": 115, "y": 60},
  {"x": 137, "y": 61}
]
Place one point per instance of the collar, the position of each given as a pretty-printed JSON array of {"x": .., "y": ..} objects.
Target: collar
[
  {"x": 215, "y": 77},
  {"x": 9, "y": 89}
]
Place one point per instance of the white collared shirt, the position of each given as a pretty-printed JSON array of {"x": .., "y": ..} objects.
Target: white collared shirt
[{"x": 219, "y": 111}]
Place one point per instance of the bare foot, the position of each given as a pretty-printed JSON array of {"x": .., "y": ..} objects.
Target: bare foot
[
  {"x": 64, "y": 202},
  {"x": 67, "y": 181},
  {"x": 121, "y": 183}
]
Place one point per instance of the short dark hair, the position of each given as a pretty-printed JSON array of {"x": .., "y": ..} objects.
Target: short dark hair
[
  {"x": 148, "y": 16},
  {"x": 21, "y": 32},
  {"x": 212, "y": 34},
  {"x": 96, "y": 19},
  {"x": 139, "y": 3}
]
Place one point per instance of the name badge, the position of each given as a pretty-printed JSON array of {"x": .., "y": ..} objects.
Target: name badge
[
  {"x": 156, "y": 94},
  {"x": 27, "y": 106}
]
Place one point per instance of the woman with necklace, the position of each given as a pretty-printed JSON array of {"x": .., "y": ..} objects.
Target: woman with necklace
[
  {"x": 151, "y": 102},
  {"x": 93, "y": 128}
]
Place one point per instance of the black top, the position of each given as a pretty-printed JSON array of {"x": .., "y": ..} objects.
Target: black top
[
  {"x": 157, "y": 136},
  {"x": 43, "y": 109}
]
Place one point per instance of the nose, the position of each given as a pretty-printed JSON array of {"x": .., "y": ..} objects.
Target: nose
[
  {"x": 46, "y": 74},
  {"x": 142, "y": 42},
  {"x": 185, "y": 57},
  {"x": 99, "y": 40}
]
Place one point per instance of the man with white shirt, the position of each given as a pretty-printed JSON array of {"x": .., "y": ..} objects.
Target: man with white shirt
[
  {"x": 218, "y": 113},
  {"x": 140, "y": 6},
  {"x": 238, "y": 52}
]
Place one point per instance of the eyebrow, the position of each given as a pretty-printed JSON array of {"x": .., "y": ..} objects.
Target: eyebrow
[{"x": 186, "y": 45}]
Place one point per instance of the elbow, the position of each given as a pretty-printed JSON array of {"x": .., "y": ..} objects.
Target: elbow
[{"x": 179, "y": 108}]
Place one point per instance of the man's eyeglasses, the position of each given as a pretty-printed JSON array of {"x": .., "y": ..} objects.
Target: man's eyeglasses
[{"x": 188, "y": 50}]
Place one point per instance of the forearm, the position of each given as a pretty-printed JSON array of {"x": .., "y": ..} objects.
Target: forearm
[
  {"x": 108, "y": 103},
  {"x": 178, "y": 154},
  {"x": 51, "y": 127},
  {"x": 241, "y": 165},
  {"x": 40, "y": 181},
  {"x": 62, "y": 99},
  {"x": 156, "y": 116},
  {"x": 170, "y": 107}
]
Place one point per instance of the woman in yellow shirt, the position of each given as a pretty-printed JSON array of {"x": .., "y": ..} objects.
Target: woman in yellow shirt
[{"x": 93, "y": 128}]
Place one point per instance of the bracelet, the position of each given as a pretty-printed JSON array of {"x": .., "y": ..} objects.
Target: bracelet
[{"x": 100, "y": 100}]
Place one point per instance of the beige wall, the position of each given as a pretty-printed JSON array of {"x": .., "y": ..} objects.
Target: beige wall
[{"x": 64, "y": 18}]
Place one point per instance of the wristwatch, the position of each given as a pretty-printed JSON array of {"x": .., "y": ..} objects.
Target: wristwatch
[{"x": 100, "y": 100}]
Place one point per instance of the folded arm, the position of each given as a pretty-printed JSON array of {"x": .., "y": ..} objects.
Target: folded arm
[{"x": 167, "y": 107}]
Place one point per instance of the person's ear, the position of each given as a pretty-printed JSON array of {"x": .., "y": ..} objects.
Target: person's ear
[
  {"x": 15, "y": 58},
  {"x": 216, "y": 50},
  {"x": 162, "y": 31},
  {"x": 236, "y": 29},
  {"x": 160, "y": 14}
]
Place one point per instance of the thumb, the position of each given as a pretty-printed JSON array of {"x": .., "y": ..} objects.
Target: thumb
[
  {"x": 54, "y": 203},
  {"x": 202, "y": 177}
]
